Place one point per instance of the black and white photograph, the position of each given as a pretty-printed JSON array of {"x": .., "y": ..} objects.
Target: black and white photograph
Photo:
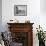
[{"x": 20, "y": 10}]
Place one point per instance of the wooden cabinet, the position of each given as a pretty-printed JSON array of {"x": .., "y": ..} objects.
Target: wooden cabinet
[{"x": 22, "y": 33}]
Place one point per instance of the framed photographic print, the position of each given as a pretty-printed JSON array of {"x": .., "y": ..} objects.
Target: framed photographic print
[{"x": 20, "y": 10}]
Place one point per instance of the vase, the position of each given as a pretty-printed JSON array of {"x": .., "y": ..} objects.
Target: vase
[{"x": 41, "y": 43}]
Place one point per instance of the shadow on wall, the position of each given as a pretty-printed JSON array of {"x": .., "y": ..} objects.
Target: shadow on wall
[
  {"x": 43, "y": 6},
  {"x": 0, "y": 15}
]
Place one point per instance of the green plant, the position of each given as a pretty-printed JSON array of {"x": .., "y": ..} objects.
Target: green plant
[{"x": 40, "y": 34}]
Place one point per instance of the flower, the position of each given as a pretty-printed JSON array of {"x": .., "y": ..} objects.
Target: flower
[{"x": 40, "y": 33}]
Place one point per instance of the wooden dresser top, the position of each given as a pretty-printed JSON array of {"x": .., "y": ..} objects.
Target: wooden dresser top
[{"x": 19, "y": 23}]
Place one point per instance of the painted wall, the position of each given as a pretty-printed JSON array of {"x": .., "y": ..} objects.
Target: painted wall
[
  {"x": 0, "y": 15},
  {"x": 43, "y": 14},
  {"x": 33, "y": 10}
]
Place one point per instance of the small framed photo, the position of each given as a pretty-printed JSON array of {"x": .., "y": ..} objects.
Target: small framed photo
[{"x": 20, "y": 10}]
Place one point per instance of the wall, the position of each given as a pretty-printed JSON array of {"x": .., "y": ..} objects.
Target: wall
[
  {"x": 43, "y": 13},
  {"x": 33, "y": 10},
  {"x": 33, "y": 14},
  {"x": 43, "y": 6},
  {"x": 0, "y": 15}
]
